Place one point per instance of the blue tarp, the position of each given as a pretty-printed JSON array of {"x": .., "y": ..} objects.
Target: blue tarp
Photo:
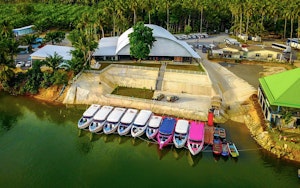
[{"x": 167, "y": 126}]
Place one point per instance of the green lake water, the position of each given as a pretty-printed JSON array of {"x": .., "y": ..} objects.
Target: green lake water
[{"x": 41, "y": 146}]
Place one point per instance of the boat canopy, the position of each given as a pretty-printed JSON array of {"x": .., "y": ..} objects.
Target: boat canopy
[
  {"x": 91, "y": 110},
  {"x": 155, "y": 121},
  {"x": 196, "y": 131},
  {"x": 116, "y": 115},
  {"x": 102, "y": 114},
  {"x": 142, "y": 117},
  {"x": 167, "y": 126},
  {"x": 129, "y": 116},
  {"x": 182, "y": 126}
]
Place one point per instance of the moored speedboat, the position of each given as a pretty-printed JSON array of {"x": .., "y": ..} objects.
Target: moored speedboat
[
  {"x": 196, "y": 137},
  {"x": 222, "y": 133},
  {"x": 166, "y": 131},
  {"x": 113, "y": 120},
  {"x": 153, "y": 125},
  {"x": 100, "y": 118},
  {"x": 127, "y": 121},
  {"x": 233, "y": 150},
  {"x": 87, "y": 117},
  {"x": 217, "y": 145},
  {"x": 225, "y": 149},
  {"x": 181, "y": 133},
  {"x": 140, "y": 123}
]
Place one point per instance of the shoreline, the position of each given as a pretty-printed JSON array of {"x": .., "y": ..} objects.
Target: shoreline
[{"x": 250, "y": 118}]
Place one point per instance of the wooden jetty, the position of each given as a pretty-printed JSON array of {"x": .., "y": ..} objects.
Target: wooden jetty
[{"x": 209, "y": 134}]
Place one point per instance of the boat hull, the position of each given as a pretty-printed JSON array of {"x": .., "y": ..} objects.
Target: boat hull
[
  {"x": 179, "y": 140},
  {"x": 163, "y": 140},
  {"x": 84, "y": 123},
  {"x": 195, "y": 147},
  {"x": 137, "y": 131},
  {"x": 233, "y": 150},
  {"x": 225, "y": 150},
  {"x": 110, "y": 128},
  {"x": 217, "y": 146},
  {"x": 151, "y": 132},
  {"x": 96, "y": 127},
  {"x": 124, "y": 129}
]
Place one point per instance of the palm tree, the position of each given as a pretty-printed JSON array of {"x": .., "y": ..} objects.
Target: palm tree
[
  {"x": 5, "y": 29},
  {"x": 200, "y": 5},
  {"x": 53, "y": 61},
  {"x": 12, "y": 48},
  {"x": 29, "y": 40},
  {"x": 6, "y": 74}
]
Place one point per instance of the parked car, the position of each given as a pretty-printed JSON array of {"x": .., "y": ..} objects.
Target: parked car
[
  {"x": 172, "y": 98},
  {"x": 28, "y": 64},
  {"x": 20, "y": 64},
  {"x": 158, "y": 96}
]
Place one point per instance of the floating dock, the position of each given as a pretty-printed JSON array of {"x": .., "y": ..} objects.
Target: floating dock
[{"x": 209, "y": 135}]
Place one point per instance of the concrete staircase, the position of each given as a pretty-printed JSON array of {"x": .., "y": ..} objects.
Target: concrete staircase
[{"x": 160, "y": 77}]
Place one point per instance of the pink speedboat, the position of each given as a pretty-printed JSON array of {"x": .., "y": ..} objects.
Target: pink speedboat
[
  {"x": 196, "y": 137},
  {"x": 166, "y": 132}
]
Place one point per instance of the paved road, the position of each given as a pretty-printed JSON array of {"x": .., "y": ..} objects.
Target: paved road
[{"x": 233, "y": 89}]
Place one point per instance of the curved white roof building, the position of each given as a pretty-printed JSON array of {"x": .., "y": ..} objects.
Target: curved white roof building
[{"x": 166, "y": 45}]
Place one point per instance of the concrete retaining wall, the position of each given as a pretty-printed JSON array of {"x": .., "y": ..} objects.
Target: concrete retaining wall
[
  {"x": 196, "y": 84},
  {"x": 131, "y": 76}
]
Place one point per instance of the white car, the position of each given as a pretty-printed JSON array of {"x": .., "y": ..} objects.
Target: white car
[
  {"x": 20, "y": 64},
  {"x": 28, "y": 64}
]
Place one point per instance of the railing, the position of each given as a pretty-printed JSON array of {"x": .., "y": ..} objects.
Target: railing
[{"x": 185, "y": 71}]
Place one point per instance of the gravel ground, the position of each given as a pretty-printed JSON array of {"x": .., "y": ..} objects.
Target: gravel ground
[{"x": 250, "y": 73}]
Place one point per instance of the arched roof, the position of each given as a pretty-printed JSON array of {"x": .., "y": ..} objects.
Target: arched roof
[{"x": 165, "y": 45}]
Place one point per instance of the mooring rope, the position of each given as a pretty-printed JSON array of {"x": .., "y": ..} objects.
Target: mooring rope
[
  {"x": 153, "y": 141},
  {"x": 254, "y": 149}
]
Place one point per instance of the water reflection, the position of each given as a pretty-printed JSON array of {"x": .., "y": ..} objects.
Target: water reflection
[
  {"x": 162, "y": 153},
  {"x": 7, "y": 121},
  {"x": 279, "y": 165},
  {"x": 193, "y": 160},
  {"x": 123, "y": 139},
  {"x": 9, "y": 113},
  {"x": 136, "y": 141},
  {"x": 178, "y": 153},
  {"x": 84, "y": 146}
]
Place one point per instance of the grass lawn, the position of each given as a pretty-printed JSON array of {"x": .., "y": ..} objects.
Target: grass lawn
[
  {"x": 134, "y": 92},
  {"x": 186, "y": 67},
  {"x": 103, "y": 65},
  {"x": 157, "y": 65}
]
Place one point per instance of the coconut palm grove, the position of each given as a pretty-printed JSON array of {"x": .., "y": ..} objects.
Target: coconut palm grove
[{"x": 86, "y": 21}]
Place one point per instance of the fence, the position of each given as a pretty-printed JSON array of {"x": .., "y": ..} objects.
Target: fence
[{"x": 185, "y": 71}]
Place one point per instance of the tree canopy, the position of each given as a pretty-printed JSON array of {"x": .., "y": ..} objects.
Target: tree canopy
[{"x": 141, "y": 41}]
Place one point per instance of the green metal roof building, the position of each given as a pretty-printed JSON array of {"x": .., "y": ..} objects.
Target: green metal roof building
[{"x": 279, "y": 91}]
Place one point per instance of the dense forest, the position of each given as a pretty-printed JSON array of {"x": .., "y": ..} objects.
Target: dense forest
[
  {"x": 112, "y": 17},
  {"x": 86, "y": 21}
]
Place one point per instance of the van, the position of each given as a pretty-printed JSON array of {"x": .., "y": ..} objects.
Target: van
[{"x": 158, "y": 96}]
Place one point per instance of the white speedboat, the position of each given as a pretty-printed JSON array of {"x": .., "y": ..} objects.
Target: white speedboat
[
  {"x": 140, "y": 123},
  {"x": 113, "y": 120},
  {"x": 127, "y": 121},
  {"x": 100, "y": 118},
  {"x": 87, "y": 116},
  {"x": 153, "y": 125},
  {"x": 181, "y": 133}
]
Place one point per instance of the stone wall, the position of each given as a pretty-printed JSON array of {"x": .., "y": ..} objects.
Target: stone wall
[{"x": 264, "y": 138}]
